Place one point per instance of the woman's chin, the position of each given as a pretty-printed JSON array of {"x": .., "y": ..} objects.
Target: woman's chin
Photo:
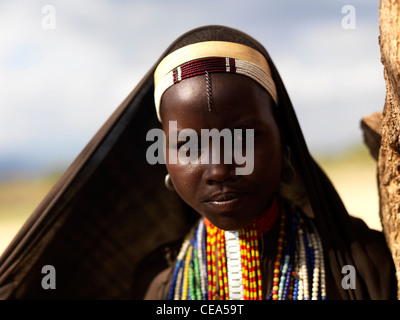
[{"x": 230, "y": 223}]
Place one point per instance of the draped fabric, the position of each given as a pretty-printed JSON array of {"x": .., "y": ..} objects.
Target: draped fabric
[{"x": 109, "y": 224}]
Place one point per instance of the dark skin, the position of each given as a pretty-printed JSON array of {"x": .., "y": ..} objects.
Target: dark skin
[{"x": 227, "y": 200}]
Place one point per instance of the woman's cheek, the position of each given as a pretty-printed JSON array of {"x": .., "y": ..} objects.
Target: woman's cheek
[{"x": 186, "y": 178}]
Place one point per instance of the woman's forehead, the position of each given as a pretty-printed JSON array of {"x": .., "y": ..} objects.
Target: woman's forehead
[{"x": 236, "y": 100}]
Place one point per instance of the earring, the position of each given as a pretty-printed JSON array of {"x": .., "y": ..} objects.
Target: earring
[
  {"x": 288, "y": 173},
  {"x": 168, "y": 182}
]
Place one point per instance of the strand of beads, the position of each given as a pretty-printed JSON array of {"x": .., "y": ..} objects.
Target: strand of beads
[
  {"x": 250, "y": 265},
  {"x": 257, "y": 259},
  {"x": 319, "y": 285},
  {"x": 252, "y": 284},
  {"x": 291, "y": 250},
  {"x": 177, "y": 276},
  {"x": 322, "y": 266},
  {"x": 178, "y": 287},
  {"x": 223, "y": 281},
  {"x": 277, "y": 265},
  {"x": 194, "y": 272},
  {"x": 245, "y": 270},
  {"x": 299, "y": 270},
  {"x": 302, "y": 268},
  {"x": 202, "y": 257},
  {"x": 211, "y": 268},
  {"x": 187, "y": 275},
  {"x": 258, "y": 295},
  {"x": 311, "y": 270},
  {"x": 217, "y": 262},
  {"x": 224, "y": 275}
]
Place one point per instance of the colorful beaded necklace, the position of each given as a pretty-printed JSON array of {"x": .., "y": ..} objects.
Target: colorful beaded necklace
[{"x": 217, "y": 264}]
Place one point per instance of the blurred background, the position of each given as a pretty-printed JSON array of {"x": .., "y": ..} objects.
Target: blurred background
[{"x": 66, "y": 65}]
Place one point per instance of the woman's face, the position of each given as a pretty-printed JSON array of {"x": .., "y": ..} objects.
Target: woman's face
[{"x": 228, "y": 200}]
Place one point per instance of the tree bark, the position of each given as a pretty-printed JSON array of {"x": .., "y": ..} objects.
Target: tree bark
[{"x": 389, "y": 152}]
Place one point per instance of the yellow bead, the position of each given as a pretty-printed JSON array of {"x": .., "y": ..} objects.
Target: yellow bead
[
  {"x": 275, "y": 288},
  {"x": 275, "y": 296}
]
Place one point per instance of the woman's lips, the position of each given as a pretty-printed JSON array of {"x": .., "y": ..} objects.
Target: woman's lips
[
  {"x": 226, "y": 201},
  {"x": 224, "y": 196}
]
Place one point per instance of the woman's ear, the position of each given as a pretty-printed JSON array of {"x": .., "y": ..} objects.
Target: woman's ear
[{"x": 292, "y": 186}]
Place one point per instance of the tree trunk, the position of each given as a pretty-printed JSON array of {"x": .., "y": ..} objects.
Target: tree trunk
[{"x": 389, "y": 153}]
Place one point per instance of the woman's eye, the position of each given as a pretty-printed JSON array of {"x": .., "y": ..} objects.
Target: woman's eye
[
  {"x": 188, "y": 146},
  {"x": 191, "y": 150},
  {"x": 245, "y": 134}
]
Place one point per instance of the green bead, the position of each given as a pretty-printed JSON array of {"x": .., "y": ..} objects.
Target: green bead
[
  {"x": 191, "y": 283},
  {"x": 197, "y": 275}
]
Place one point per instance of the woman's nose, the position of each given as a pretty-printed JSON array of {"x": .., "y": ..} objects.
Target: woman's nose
[
  {"x": 219, "y": 173},
  {"x": 220, "y": 164}
]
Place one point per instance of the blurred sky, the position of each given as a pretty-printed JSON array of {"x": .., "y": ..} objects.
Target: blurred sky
[{"x": 58, "y": 86}]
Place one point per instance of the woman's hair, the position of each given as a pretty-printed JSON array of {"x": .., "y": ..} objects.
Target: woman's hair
[{"x": 216, "y": 33}]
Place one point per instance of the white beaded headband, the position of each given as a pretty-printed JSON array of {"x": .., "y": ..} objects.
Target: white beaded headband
[{"x": 211, "y": 56}]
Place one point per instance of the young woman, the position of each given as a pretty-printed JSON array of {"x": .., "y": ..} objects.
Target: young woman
[
  {"x": 278, "y": 232},
  {"x": 263, "y": 223}
]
